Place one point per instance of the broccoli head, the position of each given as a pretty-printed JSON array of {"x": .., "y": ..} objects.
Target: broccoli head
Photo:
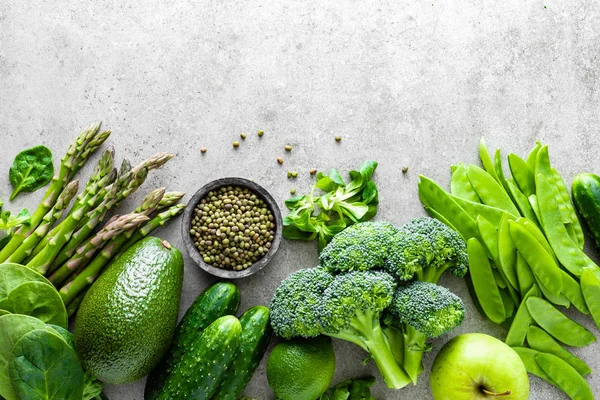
[
  {"x": 429, "y": 308},
  {"x": 294, "y": 306},
  {"x": 420, "y": 311},
  {"x": 360, "y": 247},
  {"x": 424, "y": 248}
]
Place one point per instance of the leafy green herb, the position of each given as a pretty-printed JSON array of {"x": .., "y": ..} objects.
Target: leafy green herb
[
  {"x": 8, "y": 223},
  {"x": 353, "y": 389},
  {"x": 44, "y": 367},
  {"x": 342, "y": 204},
  {"x": 31, "y": 169},
  {"x": 13, "y": 275}
]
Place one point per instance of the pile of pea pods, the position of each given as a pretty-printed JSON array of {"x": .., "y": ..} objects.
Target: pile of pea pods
[{"x": 525, "y": 246}]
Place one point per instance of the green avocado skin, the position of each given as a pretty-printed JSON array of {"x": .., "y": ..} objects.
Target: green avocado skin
[{"x": 127, "y": 319}]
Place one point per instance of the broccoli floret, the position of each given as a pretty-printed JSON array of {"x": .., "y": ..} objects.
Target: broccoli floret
[
  {"x": 418, "y": 312},
  {"x": 425, "y": 248},
  {"x": 349, "y": 307},
  {"x": 429, "y": 308},
  {"x": 360, "y": 247},
  {"x": 293, "y": 308}
]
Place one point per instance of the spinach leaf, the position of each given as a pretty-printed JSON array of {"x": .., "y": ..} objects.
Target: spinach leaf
[
  {"x": 38, "y": 300},
  {"x": 4, "y": 312},
  {"x": 12, "y": 327},
  {"x": 44, "y": 367},
  {"x": 13, "y": 275},
  {"x": 31, "y": 169},
  {"x": 65, "y": 334},
  {"x": 92, "y": 387}
]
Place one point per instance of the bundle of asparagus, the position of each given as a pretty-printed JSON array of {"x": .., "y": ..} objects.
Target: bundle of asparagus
[{"x": 71, "y": 253}]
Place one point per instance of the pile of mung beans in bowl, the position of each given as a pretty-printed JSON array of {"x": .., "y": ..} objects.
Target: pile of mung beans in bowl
[{"x": 232, "y": 227}]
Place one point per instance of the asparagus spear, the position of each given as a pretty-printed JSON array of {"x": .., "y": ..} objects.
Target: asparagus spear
[
  {"x": 42, "y": 261},
  {"x": 169, "y": 200},
  {"x": 85, "y": 144},
  {"x": 99, "y": 182},
  {"x": 146, "y": 207},
  {"x": 74, "y": 305},
  {"x": 49, "y": 219},
  {"x": 89, "y": 274},
  {"x": 124, "y": 187},
  {"x": 88, "y": 250}
]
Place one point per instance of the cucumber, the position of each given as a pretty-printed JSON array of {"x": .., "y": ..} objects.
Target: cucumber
[
  {"x": 198, "y": 374},
  {"x": 586, "y": 196},
  {"x": 256, "y": 332},
  {"x": 222, "y": 298}
]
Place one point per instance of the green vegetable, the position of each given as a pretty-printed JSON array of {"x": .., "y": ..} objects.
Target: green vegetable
[
  {"x": 137, "y": 299},
  {"x": 312, "y": 302},
  {"x": 9, "y": 222},
  {"x": 518, "y": 328},
  {"x": 528, "y": 357},
  {"x": 13, "y": 275},
  {"x": 590, "y": 287},
  {"x": 38, "y": 300},
  {"x": 420, "y": 311},
  {"x": 301, "y": 369},
  {"x": 557, "y": 324},
  {"x": 204, "y": 364},
  {"x": 343, "y": 204},
  {"x": 12, "y": 328},
  {"x": 219, "y": 299},
  {"x": 43, "y": 367},
  {"x": 564, "y": 376},
  {"x": 484, "y": 284},
  {"x": 586, "y": 197},
  {"x": 352, "y": 389},
  {"x": 540, "y": 340},
  {"x": 256, "y": 332},
  {"x": 31, "y": 169}
]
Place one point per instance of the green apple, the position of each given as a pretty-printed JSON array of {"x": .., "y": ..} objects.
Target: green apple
[{"x": 477, "y": 366}]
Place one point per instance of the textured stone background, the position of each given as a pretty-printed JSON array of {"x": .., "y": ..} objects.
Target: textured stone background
[{"x": 404, "y": 82}]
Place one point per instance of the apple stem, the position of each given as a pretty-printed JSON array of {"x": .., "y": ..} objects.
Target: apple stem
[{"x": 488, "y": 393}]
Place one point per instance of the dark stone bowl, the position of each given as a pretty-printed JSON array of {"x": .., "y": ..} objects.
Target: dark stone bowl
[{"x": 188, "y": 215}]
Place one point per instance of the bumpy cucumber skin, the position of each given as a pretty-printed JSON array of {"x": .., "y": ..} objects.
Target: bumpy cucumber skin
[
  {"x": 219, "y": 299},
  {"x": 586, "y": 196},
  {"x": 126, "y": 321},
  {"x": 198, "y": 374},
  {"x": 256, "y": 333}
]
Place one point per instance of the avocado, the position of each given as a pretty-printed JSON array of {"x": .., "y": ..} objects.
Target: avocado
[{"x": 127, "y": 319}]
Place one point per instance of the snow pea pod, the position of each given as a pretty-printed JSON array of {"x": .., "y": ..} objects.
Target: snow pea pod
[
  {"x": 483, "y": 282},
  {"x": 460, "y": 185},
  {"x": 489, "y": 190},
  {"x": 492, "y": 214},
  {"x": 538, "y": 234},
  {"x": 489, "y": 236},
  {"x": 507, "y": 252},
  {"x": 564, "y": 193},
  {"x": 567, "y": 252},
  {"x": 522, "y": 202},
  {"x": 518, "y": 329},
  {"x": 534, "y": 206},
  {"x": 541, "y": 263},
  {"x": 532, "y": 367},
  {"x": 522, "y": 175},
  {"x": 532, "y": 157},
  {"x": 564, "y": 376},
  {"x": 433, "y": 196},
  {"x": 544, "y": 169},
  {"x": 486, "y": 160},
  {"x": 509, "y": 304},
  {"x": 557, "y": 324},
  {"x": 538, "y": 339},
  {"x": 556, "y": 299},
  {"x": 524, "y": 275},
  {"x": 572, "y": 290},
  {"x": 499, "y": 170},
  {"x": 590, "y": 287}
]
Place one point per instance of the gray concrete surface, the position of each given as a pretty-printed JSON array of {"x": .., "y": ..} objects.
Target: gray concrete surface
[{"x": 403, "y": 82}]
